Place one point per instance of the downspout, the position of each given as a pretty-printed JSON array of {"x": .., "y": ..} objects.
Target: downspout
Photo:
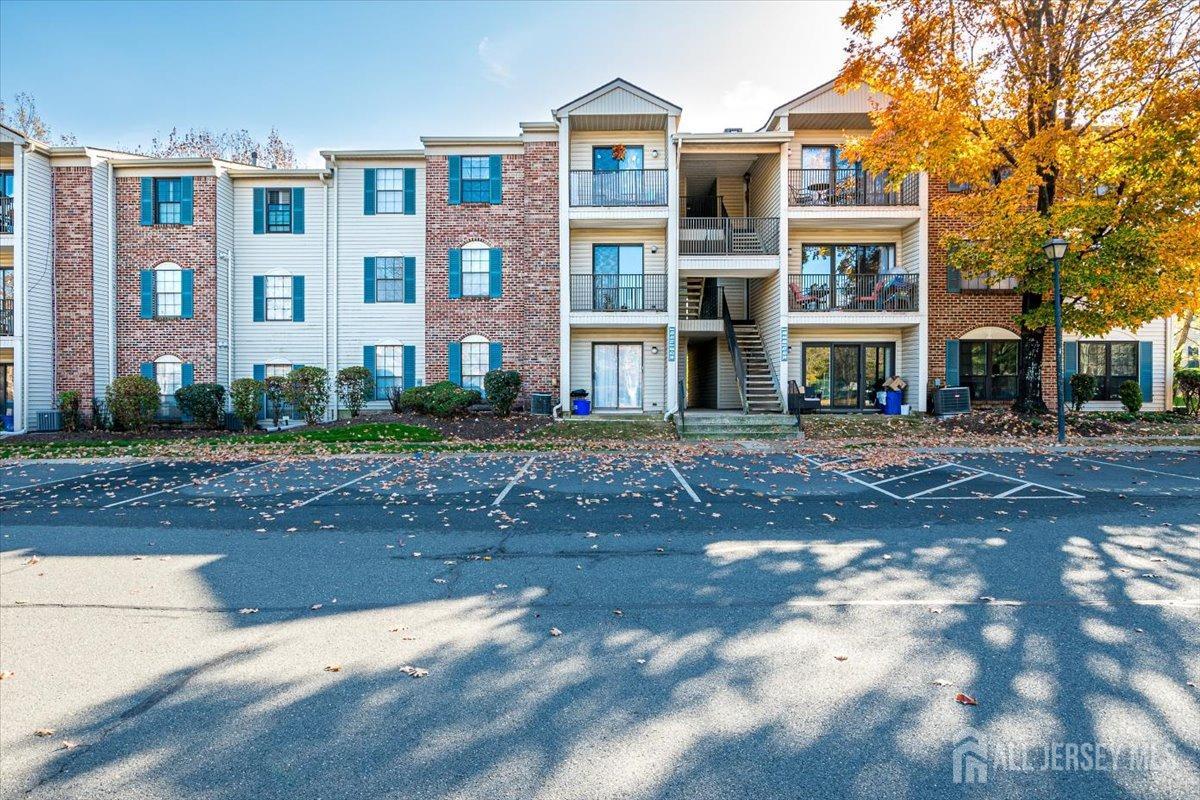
[
  {"x": 325, "y": 293},
  {"x": 112, "y": 272},
  {"x": 333, "y": 211},
  {"x": 229, "y": 310},
  {"x": 21, "y": 287}
]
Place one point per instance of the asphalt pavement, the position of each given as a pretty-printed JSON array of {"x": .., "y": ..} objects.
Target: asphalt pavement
[{"x": 658, "y": 625}]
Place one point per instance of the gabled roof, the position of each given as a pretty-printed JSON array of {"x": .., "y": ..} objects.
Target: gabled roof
[
  {"x": 813, "y": 97},
  {"x": 615, "y": 86}
]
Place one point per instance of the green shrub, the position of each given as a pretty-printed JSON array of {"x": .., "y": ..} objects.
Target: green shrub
[
  {"x": 204, "y": 402},
  {"x": 132, "y": 401},
  {"x": 354, "y": 386},
  {"x": 446, "y": 399},
  {"x": 68, "y": 406},
  {"x": 307, "y": 391},
  {"x": 276, "y": 389},
  {"x": 1187, "y": 381},
  {"x": 502, "y": 388},
  {"x": 1083, "y": 390},
  {"x": 1131, "y": 396},
  {"x": 246, "y": 395},
  {"x": 412, "y": 399}
]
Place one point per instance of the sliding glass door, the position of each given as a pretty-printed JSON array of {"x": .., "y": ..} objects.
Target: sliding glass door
[
  {"x": 846, "y": 376},
  {"x": 617, "y": 376},
  {"x": 617, "y": 275}
]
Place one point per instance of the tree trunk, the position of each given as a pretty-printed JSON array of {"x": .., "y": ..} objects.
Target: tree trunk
[{"x": 1029, "y": 363}]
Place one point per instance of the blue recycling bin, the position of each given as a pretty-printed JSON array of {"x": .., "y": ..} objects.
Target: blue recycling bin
[
  {"x": 892, "y": 406},
  {"x": 581, "y": 406}
]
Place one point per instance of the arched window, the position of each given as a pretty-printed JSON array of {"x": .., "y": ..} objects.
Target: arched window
[
  {"x": 475, "y": 357},
  {"x": 168, "y": 373},
  {"x": 475, "y": 262},
  {"x": 168, "y": 290}
]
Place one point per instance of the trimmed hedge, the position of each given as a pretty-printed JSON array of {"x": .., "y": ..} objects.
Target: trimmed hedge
[
  {"x": 246, "y": 395},
  {"x": 1131, "y": 396},
  {"x": 444, "y": 399},
  {"x": 132, "y": 401},
  {"x": 502, "y": 388},
  {"x": 204, "y": 402},
  {"x": 354, "y": 386},
  {"x": 307, "y": 391},
  {"x": 1083, "y": 390}
]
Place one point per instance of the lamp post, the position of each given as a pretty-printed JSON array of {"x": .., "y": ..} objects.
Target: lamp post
[{"x": 1055, "y": 249}]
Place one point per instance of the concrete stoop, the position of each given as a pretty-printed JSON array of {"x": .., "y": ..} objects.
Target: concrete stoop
[{"x": 710, "y": 425}]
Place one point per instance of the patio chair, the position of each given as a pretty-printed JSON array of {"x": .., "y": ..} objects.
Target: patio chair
[
  {"x": 800, "y": 401},
  {"x": 871, "y": 300},
  {"x": 810, "y": 297}
]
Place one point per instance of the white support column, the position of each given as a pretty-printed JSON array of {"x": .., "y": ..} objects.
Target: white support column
[
  {"x": 20, "y": 287},
  {"x": 781, "y": 369},
  {"x": 673, "y": 355},
  {"x": 564, "y": 264},
  {"x": 922, "y": 388}
]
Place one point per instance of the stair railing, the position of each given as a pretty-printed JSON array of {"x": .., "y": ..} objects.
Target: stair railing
[{"x": 739, "y": 362}]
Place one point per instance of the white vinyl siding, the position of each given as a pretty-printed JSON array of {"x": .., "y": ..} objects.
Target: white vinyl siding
[
  {"x": 359, "y": 236},
  {"x": 102, "y": 277},
  {"x": 764, "y": 187},
  {"x": 654, "y": 365},
  {"x": 37, "y": 307},
  {"x": 1155, "y": 332},
  {"x": 764, "y": 309},
  {"x": 278, "y": 259},
  {"x": 816, "y": 137},
  {"x": 582, "y": 143}
]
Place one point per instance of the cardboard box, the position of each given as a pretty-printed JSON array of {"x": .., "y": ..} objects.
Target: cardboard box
[{"x": 895, "y": 383}]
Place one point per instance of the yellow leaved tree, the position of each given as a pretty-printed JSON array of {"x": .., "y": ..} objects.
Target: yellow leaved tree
[{"x": 1078, "y": 118}]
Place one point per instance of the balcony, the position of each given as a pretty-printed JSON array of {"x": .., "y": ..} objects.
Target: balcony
[
  {"x": 616, "y": 293},
  {"x": 853, "y": 292},
  {"x": 6, "y": 214},
  {"x": 729, "y": 236},
  {"x": 626, "y": 187},
  {"x": 849, "y": 186}
]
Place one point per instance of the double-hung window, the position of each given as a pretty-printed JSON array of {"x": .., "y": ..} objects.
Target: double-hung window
[
  {"x": 279, "y": 211},
  {"x": 389, "y": 280},
  {"x": 278, "y": 298},
  {"x": 168, "y": 373},
  {"x": 168, "y": 293},
  {"x": 475, "y": 263},
  {"x": 1112, "y": 364},
  {"x": 389, "y": 370},
  {"x": 168, "y": 201},
  {"x": 476, "y": 179},
  {"x": 474, "y": 362},
  {"x": 389, "y": 191}
]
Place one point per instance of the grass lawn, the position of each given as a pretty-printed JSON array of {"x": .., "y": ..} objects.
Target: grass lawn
[{"x": 367, "y": 432}]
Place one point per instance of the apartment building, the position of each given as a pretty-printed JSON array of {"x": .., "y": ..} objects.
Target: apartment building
[{"x": 606, "y": 250}]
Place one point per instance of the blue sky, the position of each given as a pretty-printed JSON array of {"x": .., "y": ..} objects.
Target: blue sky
[{"x": 376, "y": 75}]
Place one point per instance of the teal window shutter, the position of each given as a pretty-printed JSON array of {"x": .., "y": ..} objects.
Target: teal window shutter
[
  {"x": 187, "y": 284},
  {"x": 410, "y": 279},
  {"x": 260, "y": 210},
  {"x": 454, "y": 357},
  {"x": 369, "y": 279},
  {"x": 369, "y": 359},
  {"x": 455, "y": 172},
  {"x": 1146, "y": 370},
  {"x": 188, "y": 374},
  {"x": 953, "y": 280},
  {"x": 410, "y": 191},
  {"x": 494, "y": 171},
  {"x": 185, "y": 200},
  {"x": 297, "y": 298},
  {"x": 495, "y": 266},
  {"x": 260, "y": 298},
  {"x": 297, "y": 211},
  {"x": 455, "y": 273},
  {"x": 952, "y": 362},
  {"x": 368, "y": 192},
  {"x": 260, "y": 372},
  {"x": 495, "y": 355},
  {"x": 147, "y": 369},
  {"x": 147, "y": 201},
  {"x": 410, "y": 366},
  {"x": 147, "y": 286},
  {"x": 1070, "y": 366}
]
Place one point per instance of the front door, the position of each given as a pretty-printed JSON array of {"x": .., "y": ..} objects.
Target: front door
[{"x": 617, "y": 376}]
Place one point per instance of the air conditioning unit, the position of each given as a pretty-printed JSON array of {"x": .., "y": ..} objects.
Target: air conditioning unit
[
  {"x": 48, "y": 421},
  {"x": 952, "y": 400}
]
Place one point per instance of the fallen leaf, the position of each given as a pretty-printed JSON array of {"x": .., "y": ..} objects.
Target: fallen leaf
[
  {"x": 315, "y": 607},
  {"x": 414, "y": 672},
  {"x": 965, "y": 699},
  {"x": 247, "y": 610},
  {"x": 555, "y": 632},
  {"x": 44, "y": 732},
  {"x": 334, "y": 668},
  {"x": 841, "y": 658},
  {"x": 67, "y": 744},
  {"x": 942, "y": 682}
]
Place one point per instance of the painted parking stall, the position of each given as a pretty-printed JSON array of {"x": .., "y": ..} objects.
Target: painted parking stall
[{"x": 117, "y": 487}]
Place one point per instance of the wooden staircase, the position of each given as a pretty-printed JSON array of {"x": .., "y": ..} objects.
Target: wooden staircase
[
  {"x": 691, "y": 292},
  {"x": 762, "y": 397}
]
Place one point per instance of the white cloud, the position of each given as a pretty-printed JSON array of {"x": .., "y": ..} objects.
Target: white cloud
[
  {"x": 312, "y": 159},
  {"x": 749, "y": 96},
  {"x": 495, "y": 58}
]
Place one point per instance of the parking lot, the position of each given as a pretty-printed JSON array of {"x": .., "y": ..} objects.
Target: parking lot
[{"x": 729, "y": 624}]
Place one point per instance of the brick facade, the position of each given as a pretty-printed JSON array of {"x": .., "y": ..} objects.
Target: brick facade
[
  {"x": 74, "y": 367},
  {"x": 952, "y": 315},
  {"x": 524, "y": 319},
  {"x": 141, "y": 247}
]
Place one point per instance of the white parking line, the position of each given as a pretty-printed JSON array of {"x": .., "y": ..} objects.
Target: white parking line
[
  {"x": 347, "y": 484},
  {"x": 512, "y": 482},
  {"x": 1019, "y": 487},
  {"x": 850, "y": 477},
  {"x": 687, "y": 487},
  {"x": 1055, "y": 489},
  {"x": 74, "y": 477},
  {"x": 944, "y": 486},
  {"x": 910, "y": 474},
  {"x": 186, "y": 483},
  {"x": 1142, "y": 469}
]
